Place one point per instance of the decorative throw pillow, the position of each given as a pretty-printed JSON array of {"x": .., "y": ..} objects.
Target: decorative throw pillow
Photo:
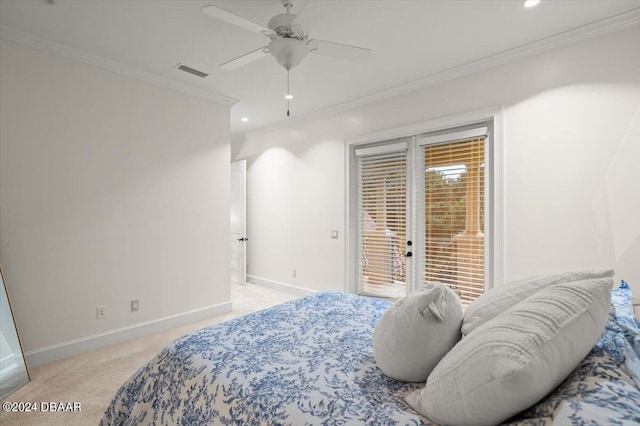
[
  {"x": 514, "y": 360},
  {"x": 414, "y": 334},
  {"x": 501, "y": 298}
]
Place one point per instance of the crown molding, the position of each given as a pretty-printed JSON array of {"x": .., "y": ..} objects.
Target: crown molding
[
  {"x": 36, "y": 42},
  {"x": 433, "y": 125},
  {"x": 614, "y": 23}
]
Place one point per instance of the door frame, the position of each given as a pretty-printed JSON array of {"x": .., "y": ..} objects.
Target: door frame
[{"x": 494, "y": 204}]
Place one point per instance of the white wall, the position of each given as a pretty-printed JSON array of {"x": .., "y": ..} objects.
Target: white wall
[
  {"x": 619, "y": 202},
  {"x": 566, "y": 114},
  {"x": 111, "y": 190}
]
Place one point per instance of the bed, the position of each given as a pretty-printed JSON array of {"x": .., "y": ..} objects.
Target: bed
[{"x": 310, "y": 362}]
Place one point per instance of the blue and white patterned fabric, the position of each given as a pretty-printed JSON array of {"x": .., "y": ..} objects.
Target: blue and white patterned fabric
[
  {"x": 310, "y": 362},
  {"x": 306, "y": 362}
]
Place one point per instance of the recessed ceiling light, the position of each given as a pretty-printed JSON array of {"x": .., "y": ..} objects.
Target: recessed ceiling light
[
  {"x": 289, "y": 97},
  {"x": 244, "y": 119},
  {"x": 531, "y": 3}
]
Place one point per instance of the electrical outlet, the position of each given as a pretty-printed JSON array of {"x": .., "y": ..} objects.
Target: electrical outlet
[
  {"x": 334, "y": 235},
  {"x": 135, "y": 305},
  {"x": 101, "y": 312},
  {"x": 294, "y": 273}
]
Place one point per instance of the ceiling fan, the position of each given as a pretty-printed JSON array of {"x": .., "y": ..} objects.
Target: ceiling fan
[{"x": 289, "y": 43}]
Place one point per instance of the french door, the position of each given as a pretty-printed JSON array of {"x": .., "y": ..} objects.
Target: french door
[
  {"x": 383, "y": 225},
  {"x": 420, "y": 213}
]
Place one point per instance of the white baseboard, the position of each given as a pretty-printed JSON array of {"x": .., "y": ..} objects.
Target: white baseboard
[
  {"x": 79, "y": 346},
  {"x": 276, "y": 285}
]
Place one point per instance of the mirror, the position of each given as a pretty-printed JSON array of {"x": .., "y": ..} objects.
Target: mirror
[{"x": 13, "y": 368}]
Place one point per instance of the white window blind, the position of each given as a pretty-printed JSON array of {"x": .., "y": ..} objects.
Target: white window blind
[
  {"x": 452, "y": 221},
  {"x": 382, "y": 208}
]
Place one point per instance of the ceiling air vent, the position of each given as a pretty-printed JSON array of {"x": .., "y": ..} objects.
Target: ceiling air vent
[{"x": 193, "y": 71}]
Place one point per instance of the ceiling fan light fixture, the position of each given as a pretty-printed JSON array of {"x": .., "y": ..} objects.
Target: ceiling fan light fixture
[{"x": 288, "y": 52}]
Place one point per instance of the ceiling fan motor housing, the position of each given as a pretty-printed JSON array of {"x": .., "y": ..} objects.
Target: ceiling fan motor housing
[{"x": 282, "y": 25}]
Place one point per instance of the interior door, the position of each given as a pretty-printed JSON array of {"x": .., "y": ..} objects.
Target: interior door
[{"x": 239, "y": 222}]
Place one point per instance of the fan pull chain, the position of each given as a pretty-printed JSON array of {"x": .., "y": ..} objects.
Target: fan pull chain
[{"x": 288, "y": 93}]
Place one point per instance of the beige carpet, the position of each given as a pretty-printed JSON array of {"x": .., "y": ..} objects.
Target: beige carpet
[{"x": 93, "y": 378}]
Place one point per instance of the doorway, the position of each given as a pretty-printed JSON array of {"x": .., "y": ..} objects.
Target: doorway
[{"x": 239, "y": 222}]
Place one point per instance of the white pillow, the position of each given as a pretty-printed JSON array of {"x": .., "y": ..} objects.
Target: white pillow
[
  {"x": 514, "y": 360},
  {"x": 501, "y": 298},
  {"x": 414, "y": 334}
]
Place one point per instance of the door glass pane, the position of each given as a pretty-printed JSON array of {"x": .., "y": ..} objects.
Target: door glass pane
[
  {"x": 382, "y": 196},
  {"x": 454, "y": 216}
]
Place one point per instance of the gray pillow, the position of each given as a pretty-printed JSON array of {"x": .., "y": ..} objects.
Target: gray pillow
[
  {"x": 513, "y": 360},
  {"x": 414, "y": 334},
  {"x": 501, "y": 298}
]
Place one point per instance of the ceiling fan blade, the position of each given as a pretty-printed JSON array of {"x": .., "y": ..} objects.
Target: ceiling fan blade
[
  {"x": 232, "y": 19},
  {"x": 340, "y": 51},
  {"x": 244, "y": 59}
]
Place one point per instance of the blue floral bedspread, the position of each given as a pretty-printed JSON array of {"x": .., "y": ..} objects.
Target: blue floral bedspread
[
  {"x": 306, "y": 362},
  {"x": 310, "y": 362}
]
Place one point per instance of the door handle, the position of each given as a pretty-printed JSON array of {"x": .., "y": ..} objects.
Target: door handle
[
  {"x": 409, "y": 254},
  {"x": 243, "y": 239}
]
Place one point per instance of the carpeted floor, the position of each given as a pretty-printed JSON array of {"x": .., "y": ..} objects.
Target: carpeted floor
[{"x": 93, "y": 378}]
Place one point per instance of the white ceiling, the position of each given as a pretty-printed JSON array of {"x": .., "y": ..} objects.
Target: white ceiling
[{"x": 411, "y": 40}]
